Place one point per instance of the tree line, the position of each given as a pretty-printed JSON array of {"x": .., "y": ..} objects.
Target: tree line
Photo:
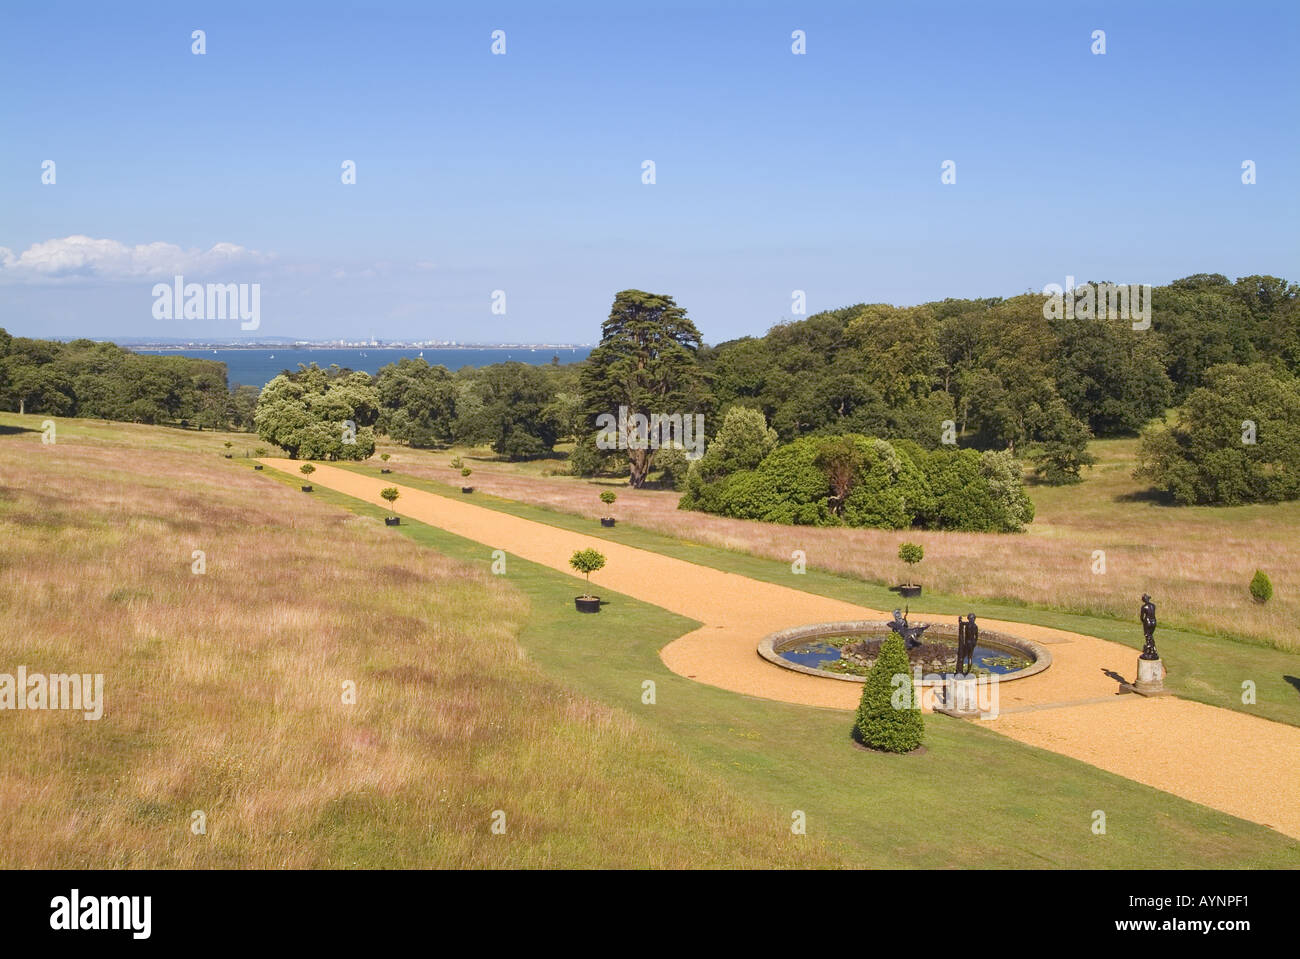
[
  {"x": 105, "y": 381},
  {"x": 993, "y": 374}
]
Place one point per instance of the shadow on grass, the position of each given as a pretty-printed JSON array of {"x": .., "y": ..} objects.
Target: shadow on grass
[
  {"x": 1153, "y": 496},
  {"x": 6, "y": 430}
]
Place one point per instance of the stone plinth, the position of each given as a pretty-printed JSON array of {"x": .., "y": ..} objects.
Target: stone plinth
[
  {"x": 1150, "y": 679},
  {"x": 960, "y": 698}
]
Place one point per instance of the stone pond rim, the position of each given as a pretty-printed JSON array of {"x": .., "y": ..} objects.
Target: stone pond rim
[{"x": 773, "y": 644}]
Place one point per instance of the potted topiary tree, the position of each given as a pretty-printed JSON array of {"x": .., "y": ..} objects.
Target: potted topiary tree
[
  {"x": 465, "y": 472},
  {"x": 1261, "y": 587},
  {"x": 911, "y": 554},
  {"x": 385, "y": 457},
  {"x": 607, "y": 497},
  {"x": 391, "y": 494},
  {"x": 881, "y": 723},
  {"x": 259, "y": 453},
  {"x": 228, "y": 445},
  {"x": 306, "y": 469},
  {"x": 587, "y": 561}
]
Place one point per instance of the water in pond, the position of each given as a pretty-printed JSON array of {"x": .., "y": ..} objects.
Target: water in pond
[{"x": 825, "y": 654}]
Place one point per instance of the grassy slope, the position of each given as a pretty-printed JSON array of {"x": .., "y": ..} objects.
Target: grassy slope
[
  {"x": 973, "y": 799},
  {"x": 223, "y": 690},
  {"x": 1205, "y": 668}
]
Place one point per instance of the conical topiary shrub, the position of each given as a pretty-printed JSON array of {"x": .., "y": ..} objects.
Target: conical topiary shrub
[
  {"x": 1261, "y": 587},
  {"x": 888, "y": 717}
]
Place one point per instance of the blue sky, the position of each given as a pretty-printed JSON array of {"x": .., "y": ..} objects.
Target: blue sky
[{"x": 522, "y": 172}]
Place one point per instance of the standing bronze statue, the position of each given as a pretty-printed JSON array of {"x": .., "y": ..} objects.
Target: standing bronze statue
[
  {"x": 968, "y": 635},
  {"x": 1148, "y": 616}
]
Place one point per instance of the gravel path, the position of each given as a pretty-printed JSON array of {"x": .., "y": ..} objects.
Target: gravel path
[{"x": 1237, "y": 763}]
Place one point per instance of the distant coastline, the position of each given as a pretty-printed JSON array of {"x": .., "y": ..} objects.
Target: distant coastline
[
  {"x": 257, "y": 365},
  {"x": 170, "y": 345}
]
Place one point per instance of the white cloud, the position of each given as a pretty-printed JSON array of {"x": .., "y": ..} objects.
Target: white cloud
[{"x": 84, "y": 256}]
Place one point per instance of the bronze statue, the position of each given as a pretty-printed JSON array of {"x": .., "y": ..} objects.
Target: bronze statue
[
  {"x": 1148, "y": 616},
  {"x": 968, "y": 636},
  {"x": 911, "y": 634}
]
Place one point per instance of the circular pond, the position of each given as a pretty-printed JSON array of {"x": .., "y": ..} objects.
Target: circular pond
[{"x": 848, "y": 650}]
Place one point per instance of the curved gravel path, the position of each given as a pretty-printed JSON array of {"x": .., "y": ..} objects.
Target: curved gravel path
[{"x": 1237, "y": 763}]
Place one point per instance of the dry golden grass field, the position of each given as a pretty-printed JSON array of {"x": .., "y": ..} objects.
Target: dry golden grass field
[
  {"x": 224, "y": 690},
  {"x": 1195, "y": 561}
]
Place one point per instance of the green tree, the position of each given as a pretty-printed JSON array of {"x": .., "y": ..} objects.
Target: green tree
[
  {"x": 1236, "y": 440},
  {"x": 841, "y": 460},
  {"x": 417, "y": 402},
  {"x": 1063, "y": 447},
  {"x": 509, "y": 406},
  {"x": 646, "y": 362},
  {"x": 1109, "y": 375},
  {"x": 911, "y": 554},
  {"x": 587, "y": 561},
  {"x": 319, "y": 414}
]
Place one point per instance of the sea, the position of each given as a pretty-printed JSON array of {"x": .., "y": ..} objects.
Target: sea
[{"x": 258, "y": 367}]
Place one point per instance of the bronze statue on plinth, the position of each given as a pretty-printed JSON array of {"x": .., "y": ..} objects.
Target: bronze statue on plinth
[{"x": 1148, "y": 616}]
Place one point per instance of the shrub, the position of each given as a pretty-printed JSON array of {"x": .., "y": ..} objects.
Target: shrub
[
  {"x": 587, "y": 561},
  {"x": 861, "y": 481},
  {"x": 673, "y": 466},
  {"x": 391, "y": 493},
  {"x": 586, "y": 458},
  {"x": 306, "y": 469},
  {"x": 741, "y": 443},
  {"x": 466, "y": 471},
  {"x": 385, "y": 456},
  {"x": 1261, "y": 587},
  {"x": 1013, "y": 509},
  {"x": 607, "y": 497},
  {"x": 890, "y": 492},
  {"x": 457, "y": 462},
  {"x": 887, "y": 717},
  {"x": 975, "y": 492}
]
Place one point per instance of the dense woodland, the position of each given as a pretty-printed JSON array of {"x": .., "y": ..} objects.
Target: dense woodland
[{"x": 990, "y": 375}]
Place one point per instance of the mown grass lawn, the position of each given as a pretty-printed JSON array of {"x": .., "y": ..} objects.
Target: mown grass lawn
[{"x": 973, "y": 798}]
